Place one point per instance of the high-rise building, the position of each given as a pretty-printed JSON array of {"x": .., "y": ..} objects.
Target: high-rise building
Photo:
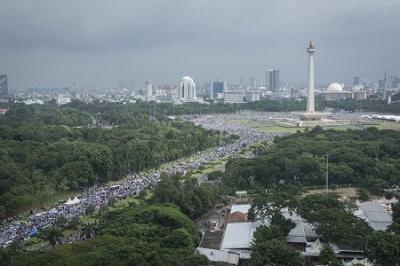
[
  {"x": 148, "y": 88},
  {"x": 356, "y": 81},
  {"x": 252, "y": 83},
  {"x": 381, "y": 84},
  {"x": 274, "y": 80},
  {"x": 3, "y": 86},
  {"x": 187, "y": 89},
  {"x": 217, "y": 87}
]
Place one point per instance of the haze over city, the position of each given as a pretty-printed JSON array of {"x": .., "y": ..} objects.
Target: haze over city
[
  {"x": 200, "y": 133},
  {"x": 48, "y": 43}
]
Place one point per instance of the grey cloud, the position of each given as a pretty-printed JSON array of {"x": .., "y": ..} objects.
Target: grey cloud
[{"x": 53, "y": 43}]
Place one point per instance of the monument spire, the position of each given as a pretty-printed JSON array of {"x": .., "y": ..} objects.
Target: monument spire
[{"x": 311, "y": 78}]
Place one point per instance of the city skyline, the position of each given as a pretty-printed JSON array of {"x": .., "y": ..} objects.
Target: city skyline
[{"x": 152, "y": 40}]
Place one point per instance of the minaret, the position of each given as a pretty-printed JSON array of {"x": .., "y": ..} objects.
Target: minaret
[{"x": 310, "y": 93}]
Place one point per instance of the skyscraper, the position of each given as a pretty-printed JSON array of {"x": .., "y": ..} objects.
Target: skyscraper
[
  {"x": 217, "y": 87},
  {"x": 356, "y": 81},
  {"x": 148, "y": 87},
  {"x": 274, "y": 79},
  {"x": 3, "y": 86}
]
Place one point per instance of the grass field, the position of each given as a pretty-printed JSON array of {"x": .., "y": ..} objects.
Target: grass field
[
  {"x": 271, "y": 127},
  {"x": 266, "y": 127}
]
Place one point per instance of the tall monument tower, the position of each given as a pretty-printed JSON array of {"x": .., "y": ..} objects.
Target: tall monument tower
[{"x": 311, "y": 78}]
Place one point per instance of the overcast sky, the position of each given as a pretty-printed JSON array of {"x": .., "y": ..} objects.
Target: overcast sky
[{"x": 52, "y": 43}]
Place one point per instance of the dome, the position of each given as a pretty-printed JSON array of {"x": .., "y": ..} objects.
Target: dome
[
  {"x": 187, "y": 79},
  {"x": 335, "y": 87}
]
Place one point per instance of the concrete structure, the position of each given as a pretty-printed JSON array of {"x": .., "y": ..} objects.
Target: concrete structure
[
  {"x": 375, "y": 214},
  {"x": 274, "y": 80},
  {"x": 310, "y": 114},
  {"x": 3, "y": 87},
  {"x": 61, "y": 100},
  {"x": 311, "y": 79},
  {"x": 356, "y": 81},
  {"x": 217, "y": 87},
  {"x": 148, "y": 88},
  {"x": 238, "y": 235},
  {"x": 252, "y": 95},
  {"x": 335, "y": 92},
  {"x": 234, "y": 97},
  {"x": 359, "y": 95},
  {"x": 187, "y": 89},
  {"x": 215, "y": 255}
]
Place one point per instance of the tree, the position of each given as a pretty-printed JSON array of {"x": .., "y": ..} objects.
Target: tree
[
  {"x": 54, "y": 235},
  {"x": 383, "y": 249},
  {"x": 61, "y": 221},
  {"x": 274, "y": 253},
  {"x": 90, "y": 209},
  {"x": 363, "y": 194},
  {"x": 396, "y": 210},
  {"x": 266, "y": 205},
  {"x": 89, "y": 230},
  {"x": 111, "y": 201},
  {"x": 328, "y": 257},
  {"x": 73, "y": 223}
]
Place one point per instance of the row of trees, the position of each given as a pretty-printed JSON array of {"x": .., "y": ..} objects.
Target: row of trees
[
  {"x": 135, "y": 235},
  {"x": 368, "y": 158},
  {"x": 38, "y": 158}
]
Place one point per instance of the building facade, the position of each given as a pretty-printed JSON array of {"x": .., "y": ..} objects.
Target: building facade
[
  {"x": 274, "y": 79},
  {"x": 233, "y": 97},
  {"x": 148, "y": 87},
  {"x": 217, "y": 87},
  {"x": 3, "y": 86},
  {"x": 187, "y": 89}
]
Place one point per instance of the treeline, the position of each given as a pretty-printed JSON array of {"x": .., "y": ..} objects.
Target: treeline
[
  {"x": 161, "y": 110},
  {"x": 369, "y": 158},
  {"x": 40, "y": 156},
  {"x": 135, "y": 235},
  {"x": 49, "y": 114},
  {"x": 379, "y": 106}
]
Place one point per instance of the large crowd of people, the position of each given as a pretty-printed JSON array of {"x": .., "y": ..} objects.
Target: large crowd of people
[{"x": 133, "y": 183}]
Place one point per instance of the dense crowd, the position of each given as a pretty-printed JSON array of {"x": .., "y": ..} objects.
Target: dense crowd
[{"x": 135, "y": 182}]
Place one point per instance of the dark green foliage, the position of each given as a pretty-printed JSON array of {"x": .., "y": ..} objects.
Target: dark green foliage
[
  {"x": 363, "y": 194},
  {"x": 275, "y": 253},
  {"x": 333, "y": 221},
  {"x": 328, "y": 257},
  {"x": 269, "y": 245},
  {"x": 384, "y": 249},
  {"x": 396, "y": 210},
  {"x": 368, "y": 158},
  {"x": 268, "y": 205},
  {"x": 53, "y": 235},
  {"x": 149, "y": 235},
  {"x": 44, "y": 149},
  {"x": 192, "y": 198}
]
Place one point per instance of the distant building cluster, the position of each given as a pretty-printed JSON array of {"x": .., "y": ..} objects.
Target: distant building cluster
[{"x": 187, "y": 90}]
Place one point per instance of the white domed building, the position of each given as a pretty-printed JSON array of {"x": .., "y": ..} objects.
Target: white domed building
[
  {"x": 187, "y": 89},
  {"x": 335, "y": 92}
]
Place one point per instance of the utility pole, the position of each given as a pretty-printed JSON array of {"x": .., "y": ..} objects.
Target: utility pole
[{"x": 327, "y": 173}]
